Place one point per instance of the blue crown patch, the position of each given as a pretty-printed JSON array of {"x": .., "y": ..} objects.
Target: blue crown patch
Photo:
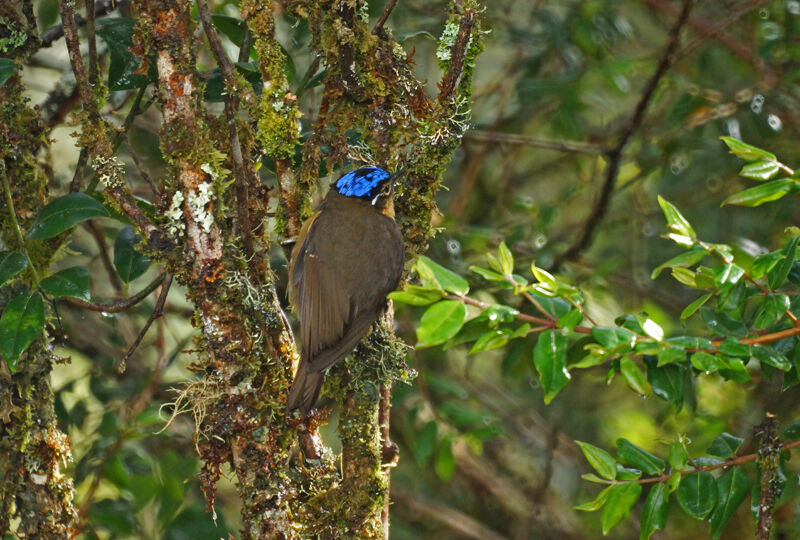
[{"x": 361, "y": 182}]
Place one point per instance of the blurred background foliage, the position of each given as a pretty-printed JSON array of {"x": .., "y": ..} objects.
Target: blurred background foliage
[{"x": 481, "y": 455}]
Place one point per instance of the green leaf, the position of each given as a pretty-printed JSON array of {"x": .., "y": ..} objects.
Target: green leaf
[
  {"x": 764, "y": 263},
  {"x": 725, "y": 445},
  {"x": 129, "y": 263},
  {"x": 446, "y": 279},
  {"x": 11, "y": 264},
  {"x": 425, "y": 443},
  {"x": 493, "y": 339},
  {"x": 7, "y": 68},
  {"x": 780, "y": 271},
  {"x": 619, "y": 502},
  {"x": 614, "y": 339},
  {"x": 416, "y": 295},
  {"x": 732, "y": 488},
  {"x": 697, "y": 494},
  {"x": 722, "y": 324},
  {"x": 685, "y": 259},
  {"x": 489, "y": 275},
  {"x": 731, "y": 347},
  {"x": 654, "y": 513},
  {"x": 22, "y": 322},
  {"x": 771, "y": 357},
  {"x": 600, "y": 460},
  {"x": 671, "y": 355},
  {"x": 705, "y": 362},
  {"x": 771, "y": 310},
  {"x": 64, "y": 213},
  {"x": 760, "y": 170},
  {"x": 596, "y": 504},
  {"x": 71, "y": 282},
  {"x": 733, "y": 369},
  {"x": 550, "y": 359},
  {"x": 727, "y": 274},
  {"x": 758, "y": 195},
  {"x": 641, "y": 459},
  {"x": 506, "y": 259},
  {"x": 675, "y": 220},
  {"x": 440, "y": 322},
  {"x": 694, "y": 306},
  {"x": 667, "y": 382},
  {"x": 117, "y": 32},
  {"x": 678, "y": 456},
  {"x": 792, "y": 431},
  {"x": 570, "y": 320},
  {"x": 445, "y": 464},
  {"x": 747, "y": 152},
  {"x": 543, "y": 276},
  {"x": 630, "y": 322},
  {"x": 499, "y": 313},
  {"x": 634, "y": 377}
]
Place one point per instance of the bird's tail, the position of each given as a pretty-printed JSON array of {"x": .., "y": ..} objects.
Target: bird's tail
[{"x": 304, "y": 391}]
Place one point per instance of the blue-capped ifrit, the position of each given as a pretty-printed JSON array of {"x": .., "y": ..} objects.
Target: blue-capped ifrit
[{"x": 348, "y": 257}]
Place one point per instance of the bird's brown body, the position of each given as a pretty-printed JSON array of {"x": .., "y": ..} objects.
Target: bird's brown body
[{"x": 348, "y": 257}]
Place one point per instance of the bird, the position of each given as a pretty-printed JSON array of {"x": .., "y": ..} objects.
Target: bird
[{"x": 348, "y": 257}]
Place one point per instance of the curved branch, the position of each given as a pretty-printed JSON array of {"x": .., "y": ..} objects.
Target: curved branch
[
  {"x": 615, "y": 154},
  {"x": 121, "y": 305}
]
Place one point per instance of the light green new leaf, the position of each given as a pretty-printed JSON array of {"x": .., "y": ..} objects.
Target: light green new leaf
[
  {"x": 758, "y": 195},
  {"x": 596, "y": 504},
  {"x": 416, "y": 296},
  {"x": 675, "y": 220},
  {"x": 760, "y": 170},
  {"x": 634, "y": 378},
  {"x": 746, "y": 151},
  {"x": 685, "y": 259}
]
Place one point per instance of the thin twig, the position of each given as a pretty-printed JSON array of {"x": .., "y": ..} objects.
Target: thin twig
[
  {"x": 536, "y": 142},
  {"x": 12, "y": 213},
  {"x": 158, "y": 311},
  {"x": 142, "y": 170},
  {"x": 90, "y": 37},
  {"x": 102, "y": 249},
  {"x": 120, "y": 305},
  {"x": 615, "y": 154},
  {"x": 385, "y": 15},
  {"x": 455, "y": 520}
]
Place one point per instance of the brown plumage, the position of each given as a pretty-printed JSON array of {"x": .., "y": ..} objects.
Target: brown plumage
[{"x": 348, "y": 257}]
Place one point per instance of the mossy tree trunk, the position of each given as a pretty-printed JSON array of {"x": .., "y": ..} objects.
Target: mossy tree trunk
[{"x": 211, "y": 233}]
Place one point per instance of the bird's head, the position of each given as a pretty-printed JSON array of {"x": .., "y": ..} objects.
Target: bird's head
[{"x": 370, "y": 184}]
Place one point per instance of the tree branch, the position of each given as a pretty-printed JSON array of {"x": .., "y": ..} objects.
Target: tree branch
[
  {"x": 458, "y": 56},
  {"x": 158, "y": 311},
  {"x": 103, "y": 7},
  {"x": 385, "y": 15},
  {"x": 526, "y": 140},
  {"x": 121, "y": 305},
  {"x": 615, "y": 154}
]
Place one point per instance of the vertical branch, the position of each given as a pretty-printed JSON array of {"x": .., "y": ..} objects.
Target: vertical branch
[{"x": 769, "y": 451}]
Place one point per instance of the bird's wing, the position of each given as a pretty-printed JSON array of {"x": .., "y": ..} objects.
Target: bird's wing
[{"x": 322, "y": 305}]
